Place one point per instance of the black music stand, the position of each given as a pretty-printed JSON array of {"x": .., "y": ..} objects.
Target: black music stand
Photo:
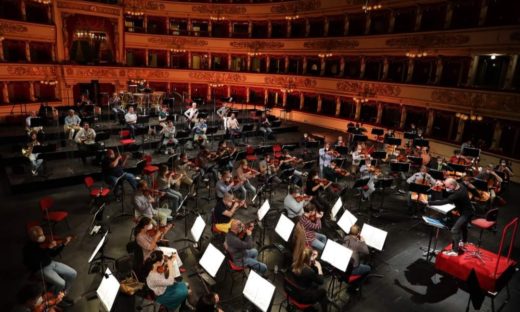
[
  {"x": 436, "y": 174},
  {"x": 360, "y": 138},
  {"x": 37, "y": 122},
  {"x": 382, "y": 184},
  {"x": 182, "y": 135},
  {"x": 353, "y": 130},
  {"x": 359, "y": 184},
  {"x": 456, "y": 168},
  {"x": 416, "y": 161},
  {"x": 410, "y": 135},
  {"x": 378, "y": 155},
  {"x": 421, "y": 142},
  {"x": 101, "y": 261},
  {"x": 471, "y": 152},
  {"x": 480, "y": 185},
  {"x": 343, "y": 150},
  {"x": 377, "y": 131},
  {"x": 399, "y": 167},
  {"x": 119, "y": 183},
  {"x": 311, "y": 144},
  {"x": 419, "y": 189},
  {"x": 392, "y": 141},
  {"x": 289, "y": 147}
]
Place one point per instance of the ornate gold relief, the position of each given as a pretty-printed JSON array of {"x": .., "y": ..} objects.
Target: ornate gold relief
[
  {"x": 11, "y": 28},
  {"x": 257, "y": 45},
  {"x": 88, "y": 7},
  {"x": 147, "y": 74},
  {"x": 92, "y": 72},
  {"x": 178, "y": 42},
  {"x": 427, "y": 41},
  {"x": 294, "y": 82},
  {"x": 489, "y": 102},
  {"x": 296, "y": 6},
  {"x": 372, "y": 88},
  {"x": 154, "y": 5},
  {"x": 331, "y": 44},
  {"x": 31, "y": 70},
  {"x": 218, "y": 77},
  {"x": 219, "y": 9}
]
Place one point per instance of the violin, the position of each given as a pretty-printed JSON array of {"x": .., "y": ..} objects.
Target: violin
[
  {"x": 161, "y": 229},
  {"x": 48, "y": 303},
  {"x": 303, "y": 197},
  {"x": 341, "y": 171},
  {"x": 251, "y": 171},
  {"x": 324, "y": 182},
  {"x": 164, "y": 269},
  {"x": 333, "y": 153},
  {"x": 54, "y": 242},
  {"x": 250, "y": 227}
]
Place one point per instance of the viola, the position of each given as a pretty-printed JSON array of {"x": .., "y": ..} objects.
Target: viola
[
  {"x": 304, "y": 197},
  {"x": 334, "y": 153},
  {"x": 250, "y": 227},
  {"x": 164, "y": 269},
  {"x": 251, "y": 171},
  {"x": 161, "y": 229},
  {"x": 321, "y": 181},
  {"x": 341, "y": 171},
  {"x": 58, "y": 241},
  {"x": 48, "y": 303}
]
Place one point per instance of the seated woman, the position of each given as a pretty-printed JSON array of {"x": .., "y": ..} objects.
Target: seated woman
[
  {"x": 146, "y": 238},
  {"x": 306, "y": 273},
  {"x": 158, "y": 270},
  {"x": 166, "y": 181}
]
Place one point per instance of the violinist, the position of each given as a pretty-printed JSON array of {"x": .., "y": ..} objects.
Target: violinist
[
  {"x": 268, "y": 170},
  {"x": 187, "y": 169},
  {"x": 340, "y": 142},
  {"x": 244, "y": 174},
  {"x": 208, "y": 303},
  {"x": 287, "y": 163},
  {"x": 325, "y": 156},
  {"x": 148, "y": 237},
  {"x": 505, "y": 169},
  {"x": 311, "y": 222},
  {"x": 357, "y": 156},
  {"x": 143, "y": 204},
  {"x": 334, "y": 172},
  {"x": 168, "y": 136},
  {"x": 191, "y": 114},
  {"x": 226, "y": 184},
  {"x": 493, "y": 180},
  {"x": 206, "y": 160},
  {"x": 158, "y": 270},
  {"x": 355, "y": 242},
  {"x": 420, "y": 177},
  {"x": 199, "y": 130},
  {"x": 224, "y": 153},
  {"x": 162, "y": 115},
  {"x": 240, "y": 247},
  {"x": 38, "y": 254},
  {"x": 436, "y": 163},
  {"x": 366, "y": 171},
  {"x": 223, "y": 112},
  {"x": 315, "y": 186},
  {"x": 458, "y": 159},
  {"x": 292, "y": 204},
  {"x": 167, "y": 182},
  {"x": 265, "y": 127},
  {"x": 425, "y": 156},
  {"x": 36, "y": 163},
  {"x": 224, "y": 210},
  {"x": 32, "y": 298},
  {"x": 112, "y": 168}
]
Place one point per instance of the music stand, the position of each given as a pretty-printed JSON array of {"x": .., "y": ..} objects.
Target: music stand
[
  {"x": 410, "y": 135},
  {"x": 392, "y": 141},
  {"x": 335, "y": 209},
  {"x": 456, "y": 168},
  {"x": 353, "y": 130},
  {"x": 436, "y": 174},
  {"x": 346, "y": 221},
  {"x": 210, "y": 132},
  {"x": 360, "y": 138},
  {"x": 337, "y": 255},
  {"x": 378, "y": 155},
  {"x": 259, "y": 291},
  {"x": 382, "y": 184},
  {"x": 284, "y": 227},
  {"x": 480, "y": 185},
  {"x": 211, "y": 260},
  {"x": 377, "y": 131},
  {"x": 400, "y": 167},
  {"x": 289, "y": 147},
  {"x": 436, "y": 225},
  {"x": 374, "y": 237},
  {"x": 107, "y": 290},
  {"x": 471, "y": 152},
  {"x": 311, "y": 144},
  {"x": 101, "y": 259},
  {"x": 421, "y": 142},
  {"x": 360, "y": 183},
  {"x": 36, "y": 122},
  {"x": 416, "y": 161},
  {"x": 343, "y": 150}
]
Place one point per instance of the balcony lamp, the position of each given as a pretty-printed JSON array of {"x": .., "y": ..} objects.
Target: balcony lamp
[{"x": 45, "y": 2}]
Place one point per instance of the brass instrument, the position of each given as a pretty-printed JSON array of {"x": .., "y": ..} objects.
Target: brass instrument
[{"x": 26, "y": 152}]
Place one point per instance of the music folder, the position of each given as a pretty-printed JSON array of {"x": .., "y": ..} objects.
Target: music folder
[
  {"x": 259, "y": 291},
  {"x": 373, "y": 236},
  {"x": 107, "y": 290},
  {"x": 197, "y": 228},
  {"x": 346, "y": 221},
  {"x": 284, "y": 227},
  {"x": 335, "y": 209},
  {"x": 263, "y": 210},
  {"x": 211, "y": 260},
  {"x": 400, "y": 166},
  {"x": 444, "y": 209},
  {"x": 378, "y": 131},
  {"x": 360, "y": 138},
  {"x": 337, "y": 255},
  {"x": 434, "y": 222}
]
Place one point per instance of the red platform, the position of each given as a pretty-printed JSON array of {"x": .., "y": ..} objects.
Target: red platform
[{"x": 492, "y": 274}]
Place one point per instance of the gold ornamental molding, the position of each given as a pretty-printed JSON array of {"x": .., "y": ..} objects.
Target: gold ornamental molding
[
  {"x": 483, "y": 101},
  {"x": 427, "y": 41},
  {"x": 93, "y": 72},
  {"x": 296, "y": 6},
  {"x": 218, "y": 77},
  {"x": 372, "y": 88},
  {"x": 147, "y": 74},
  {"x": 154, "y": 5},
  {"x": 31, "y": 70},
  {"x": 219, "y": 9},
  {"x": 11, "y": 28},
  {"x": 257, "y": 45},
  {"x": 178, "y": 42},
  {"x": 294, "y": 82},
  {"x": 331, "y": 44},
  {"x": 88, "y": 7}
]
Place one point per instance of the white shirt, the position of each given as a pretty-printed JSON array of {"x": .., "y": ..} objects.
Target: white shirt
[
  {"x": 131, "y": 118},
  {"x": 73, "y": 120},
  {"x": 233, "y": 124},
  {"x": 325, "y": 158},
  {"x": 86, "y": 136},
  {"x": 191, "y": 113}
]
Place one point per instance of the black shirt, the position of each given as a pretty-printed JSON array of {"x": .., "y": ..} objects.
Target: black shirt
[
  {"x": 35, "y": 257},
  {"x": 308, "y": 278},
  {"x": 308, "y": 187},
  {"x": 459, "y": 198},
  {"x": 110, "y": 171},
  {"x": 330, "y": 174},
  {"x": 219, "y": 210}
]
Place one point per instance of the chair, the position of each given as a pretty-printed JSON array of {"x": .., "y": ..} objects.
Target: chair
[
  {"x": 98, "y": 195},
  {"x": 234, "y": 268},
  {"x": 52, "y": 217},
  {"x": 250, "y": 154},
  {"x": 277, "y": 150},
  {"x": 489, "y": 224},
  {"x": 124, "y": 138},
  {"x": 290, "y": 288},
  {"x": 217, "y": 234},
  {"x": 149, "y": 169}
]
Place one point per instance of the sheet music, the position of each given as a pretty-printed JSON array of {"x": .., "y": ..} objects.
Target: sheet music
[
  {"x": 373, "y": 236},
  {"x": 168, "y": 251},
  {"x": 444, "y": 209},
  {"x": 259, "y": 291},
  {"x": 197, "y": 228},
  {"x": 337, "y": 255},
  {"x": 284, "y": 227},
  {"x": 107, "y": 290},
  {"x": 346, "y": 221},
  {"x": 98, "y": 247},
  {"x": 211, "y": 260},
  {"x": 263, "y": 210},
  {"x": 337, "y": 206}
]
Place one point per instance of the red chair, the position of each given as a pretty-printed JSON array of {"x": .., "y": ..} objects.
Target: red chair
[
  {"x": 234, "y": 268},
  {"x": 489, "y": 224},
  {"x": 53, "y": 217},
  {"x": 29, "y": 225},
  {"x": 149, "y": 169},
  {"x": 291, "y": 288},
  {"x": 125, "y": 138},
  {"x": 96, "y": 192},
  {"x": 277, "y": 150},
  {"x": 250, "y": 154}
]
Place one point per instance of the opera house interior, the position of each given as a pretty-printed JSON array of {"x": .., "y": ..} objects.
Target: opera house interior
[{"x": 260, "y": 155}]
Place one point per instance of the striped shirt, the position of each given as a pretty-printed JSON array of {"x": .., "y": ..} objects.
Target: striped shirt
[{"x": 310, "y": 228}]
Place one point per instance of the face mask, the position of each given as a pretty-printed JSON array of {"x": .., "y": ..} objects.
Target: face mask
[
  {"x": 149, "y": 226},
  {"x": 41, "y": 239}
]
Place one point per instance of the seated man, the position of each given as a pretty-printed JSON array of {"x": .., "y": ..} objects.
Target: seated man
[
  {"x": 112, "y": 168},
  {"x": 311, "y": 222},
  {"x": 37, "y": 256},
  {"x": 244, "y": 174},
  {"x": 115, "y": 102},
  {"x": 355, "y": 242},
  {"x": 131, "y": 121},
  {"x": 199, "y": 131},
  {"x": 233, "y": 127},
  {"x": 366, "y": 173},
  {"x": 225, "y": 184},
  {"x": 29, "y": 127},
  {"x": 240, "y": 249},
  {"x": 72, "y": 122},
  {"x": 36, "y": 163},
  {"x": 191, "y": 114},
  {"x": 224, "y": 210},
  {"x": 86, "y": 140},
  {"x": 265, "y": 127},
  {"x": 420, "y": 177},
  {"x": 143, "y": 201},
  {"x": 189, "y": 171},
  {"x": 168, "y": 136},
  {"x": 293, "y": 203}
]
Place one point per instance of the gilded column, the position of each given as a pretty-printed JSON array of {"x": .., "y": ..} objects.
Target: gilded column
[
  {"x": 266, "y": 96},
  {"x": 304, "y": 67},
  {"x": 189, "y": 59},
  {"x": 286, "y": 69},
  {"x": 449, "y": 15},
  {"x": 510, "y": 73},
  {"x": 228, "y": 91},
  {"x": 483, "y": 12},
  {"x": 497, "y": 135},
  {"x": 357, "y": 114},
  {"x": 250, "y": 29},
  {"x": 362, "y": 68},
  {"x": 27, "y": 51},
  {"x": 22, "y": 10},
  {"x": 346, "y": 25},
  {"x": 49, "y": 13},
  {"x": 438, "y": 70},
  {"x": 307, "y": 27},
  {"x": 168, "y": 58},
  {"x": 248, "y": 63},
  {"x": 472, "y": 70},
  {"x": 31, "y": 91},
  {"x": 379, "y": 115},
  {"x": 1, "y": 50},
  {"x": 429, "y": 123},
  {"x": 342, "y": 66},
  {"x": 146, "y": 57},
  {"x": 302, "y": 100},
  {"x": 119, "y": 39},
  {"x": 167, "y": 25},
  {"x": 5, "y": 92},
  {"x": 247, "y": 94},
  {"x": 320, "y": 102},
  {"x": 267, "y": 63},
  {"x": 145, "y": 23},
  {"x": 210, "y": 28},
  {"x": 229, "y": 62},
  {"x": 409, "y": 74},
  {"x": 284, "y": 99},
  {"x": 53, "y": 53},
  {"x": 460, "y": 130},
  {"x": 189, "y": 90},
  {"x": 385, "y": 69},
  {"x": 322, "y": 66},
  {"x": 368, "y": 23},
  {"x": 230, "y": 30},
  {"x": 269, "y": 29},
  {"x": 210, "y": 60},
  {"x": 338, "y": 105},
  {"x": 418, "y": 19},
  {"x": 288, "y": 29},
  {"x": 190, "y": 27},
  {"x": 57, "y": 90},
  {"x": 208, "y": 96},
  {"x": 402, "y": 122},
  {"x": 391, "y": 22},
  {"x": 326, "y": 27}
]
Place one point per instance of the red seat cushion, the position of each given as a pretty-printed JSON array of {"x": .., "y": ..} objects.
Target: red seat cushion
[
  {"x": 95, "y": 192},
  {"x": 298, "y": 305},
  {"x": 251, "y": 158},
  {"x": 127, "y": 141},
  {"x": 235, "y": 267},
  {"x": 353, "y": 278},
  {"x": 277, "y": 154},
  {"x": 150, "y": 169},
  {"x": 56, "y": 216},
  {"x": 483, "y": 223}
]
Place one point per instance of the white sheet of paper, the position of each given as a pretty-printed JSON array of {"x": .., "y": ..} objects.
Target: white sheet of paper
[
  {"x": 107, "y": 290},
  {"x": 198, "y": 228},
  {"x": 211, "y": 260},
  {"x": 443, "y": 208},
  {"x": 259, "y": 291},
  {"x": 284, "y": 227},
  {"x": 337, "y": 206},
  {"x": 373, "y": 236},
  {"x": 168, "y": 251},
  {"x": 98, "y": 247},
  {"x": 346, "y": 221},
  {"x": 263, "y": 210},
  {"x": 337, "y": 255}
]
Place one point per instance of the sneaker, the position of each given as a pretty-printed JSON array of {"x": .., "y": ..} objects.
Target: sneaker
[
  {"x": 450, "y": 253},
  {"x": 34, "y": 172}
]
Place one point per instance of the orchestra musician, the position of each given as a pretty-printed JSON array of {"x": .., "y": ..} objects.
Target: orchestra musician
[
  {"x": 115, "y": 102},
  {"x": 131, "y": 121},
  {"x": 36, "y": 163},
  {"x": 287, "y": 163},
  {"x": 265, "y": 127},
  {"x": 191, "y": 114},
  {"x": 158, "y": 270},
  {"x": 355, "y": 242},
  {"x": 199, "y": 131},
  {"x": 33, "y": 298},
  {"x": 436, "y": 163},
  {"x": 29, "y": 127},
  {"x": 168, "y": 136},
  {"x": 311, "y": 222},
  {"x": 294, "y": 202},
  {"x": 458, "y": 159},
  {"x": 357, "y": 156},
  {"x": 223, "y": 113},
  {"x": 206, "y": 159},
  {"x": 147, "y": 237},
  {"x": 233, "y": 127},
  {"x": 224, "y": 153},
  {"x": 226, "y": 184},
  {"x": 420, "y": 177},
  {"x": 366, "y": 171},
  {"x": 334, "y": 172},
  {"x": 209, "y": 303},
  {"x": 340, "y": 142},
  {"x": 167, "y": 181},
  {"x": 112, "y": 169},
  {"x": 458, "y": 196},
  {"x": 425, "y": 156},
  {"x": 268, "y": 170},
  {"x": 224, "y": 210},
  {"x": 244, "y": 174},
  {"x": 38, "y": 256},
  {"x": 71, "y": 124},
  {"x": 143, "y": 204},
  {"x": 314, "y": 187},
  {"x": 163, "y": 115},
  {"x": 188, "y": 170},
  {"x": 493, "y": 180},
  {"x": 86, "y": 140},
  {"x": 325, "y": 157},
  {"x": 241, "y": 248},
  {"x": 505, "y": 169}
]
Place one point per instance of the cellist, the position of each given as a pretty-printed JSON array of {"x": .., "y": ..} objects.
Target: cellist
[{"x": 420, "y": 177}]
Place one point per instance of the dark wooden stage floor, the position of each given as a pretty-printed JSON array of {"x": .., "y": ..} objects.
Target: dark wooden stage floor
[{"x": 409, "y": 282}]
